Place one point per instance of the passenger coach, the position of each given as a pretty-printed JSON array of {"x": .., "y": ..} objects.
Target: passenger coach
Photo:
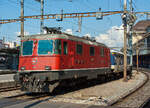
[{"x": 117, "y": 60}]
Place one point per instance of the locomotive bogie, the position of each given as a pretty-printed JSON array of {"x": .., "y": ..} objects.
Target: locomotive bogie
[{"x": 46, "y": 81}]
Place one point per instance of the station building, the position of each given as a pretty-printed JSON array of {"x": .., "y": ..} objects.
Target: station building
[
  {"x": 9, "y": 56},
  {"x": 141, "y": 43}
]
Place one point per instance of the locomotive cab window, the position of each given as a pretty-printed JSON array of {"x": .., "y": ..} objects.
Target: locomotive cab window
[
  {"x": 102, "y": 52},
  {"x": 57, "y": 49},
  {"x": 65, "y": 48},
  {"x": 27, "y": 48},
  {"x": 79, "y": 49},
  {"x": 92, "y": 51},
  {"x": 45, "y": 47}
]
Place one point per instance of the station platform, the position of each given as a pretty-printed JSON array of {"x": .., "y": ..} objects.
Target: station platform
[
  {"x": 7, "y": 71},
  {"x": 6, "y": 75},
  {"x": 104, "y": 94},
  {"x": 6, "y": 78}
]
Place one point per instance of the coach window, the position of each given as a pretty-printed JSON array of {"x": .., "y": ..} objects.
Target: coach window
[
  {"x": 79, "y": 49},
  {"x": 92, "y": 51},
  {"x": 57, "y": 47},
  {"x": 102, "y": 51},
  {"x": 65, "y": 48}
]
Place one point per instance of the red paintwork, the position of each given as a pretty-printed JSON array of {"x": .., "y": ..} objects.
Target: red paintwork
[{"x": 70, "y": 61}]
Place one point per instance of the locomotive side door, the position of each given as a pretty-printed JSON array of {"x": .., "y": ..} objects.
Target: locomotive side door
[
  {"x": 68, "y": 54},
  {"x": 71, "y": 48}
]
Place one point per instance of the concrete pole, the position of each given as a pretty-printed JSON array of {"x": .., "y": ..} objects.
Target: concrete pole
[
  {"x": 125, "y": 42},
  {"x": 22, "y": 19},
  {"x": 125, "y": 54},
  {"x": 131, "y": 7},
  {"x": 130, "y": 38},
  {"x": 42, "y": 19},
  {"x": 79, "y": 24},
  {"x": 3, "y": 40}
]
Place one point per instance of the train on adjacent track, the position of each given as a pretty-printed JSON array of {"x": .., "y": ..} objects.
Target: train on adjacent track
[
  {"x": 46, "y": 60},
  {"x": 117, "y": 59}
]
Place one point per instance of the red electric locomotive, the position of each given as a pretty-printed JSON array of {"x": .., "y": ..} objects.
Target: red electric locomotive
[{"x": 46, "y": 60}]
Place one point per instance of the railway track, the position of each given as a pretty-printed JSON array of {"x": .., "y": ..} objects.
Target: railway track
[
  {"x": 138, "y": 98},
  {"x": 58, "y": 93},
  {"x": 135, "y": 99},
  {"x": 6, "y": 89}
]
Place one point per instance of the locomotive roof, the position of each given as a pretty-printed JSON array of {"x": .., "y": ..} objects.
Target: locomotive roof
[{"x": 62, "y": 36}]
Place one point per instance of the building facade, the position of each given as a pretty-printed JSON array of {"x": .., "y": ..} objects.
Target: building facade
[
  {"x": 141, "y": 42},
  {"x": 9, "y": 55}
]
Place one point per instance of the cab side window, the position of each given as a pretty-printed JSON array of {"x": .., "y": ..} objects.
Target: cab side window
[
  {"x": 92, "y": 51},
  {"x": 65, "y": 45},
  {"x": 102, "y": 52},
  {"x": 57, "y": 49},
  {"x": 79, "y": 49}
]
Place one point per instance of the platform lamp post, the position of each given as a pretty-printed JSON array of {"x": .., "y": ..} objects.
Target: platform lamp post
[
  {"x": 138, "y": 45},
  {"x": 42, "y": 13},
  {"x": 137, "y": 58}
]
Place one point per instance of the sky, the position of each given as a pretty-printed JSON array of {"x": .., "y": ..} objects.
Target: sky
[{"x": 108, "y": 30}]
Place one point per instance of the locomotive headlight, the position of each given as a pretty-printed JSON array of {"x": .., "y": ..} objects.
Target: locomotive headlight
[
  {"x": 47, "y": 68},
  {"x": 23, "y": 68}
]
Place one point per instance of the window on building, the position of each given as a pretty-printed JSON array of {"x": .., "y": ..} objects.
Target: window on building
[
  {"x": 92, "y": 51},
  {"x": 102, "y": 51},
  {"x": 148, "y": 29},
  {"x": 45, "y": 47},
  {"x": 65, "y": 48},
  {"x": 27, "y": 48},
  {"x": 57, "y": 49},
  {"x": 148, "y": 42},
  {"x": 79, "y": 49}
]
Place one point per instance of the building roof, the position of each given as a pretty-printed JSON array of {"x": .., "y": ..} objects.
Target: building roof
[{"x": 141, "y": 25}]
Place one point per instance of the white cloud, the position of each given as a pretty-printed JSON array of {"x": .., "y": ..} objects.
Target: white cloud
[
  {"x": 113, "y": 37},
  {"x": 25, "y": 33},
  {"x": 69, "y": 31}
]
